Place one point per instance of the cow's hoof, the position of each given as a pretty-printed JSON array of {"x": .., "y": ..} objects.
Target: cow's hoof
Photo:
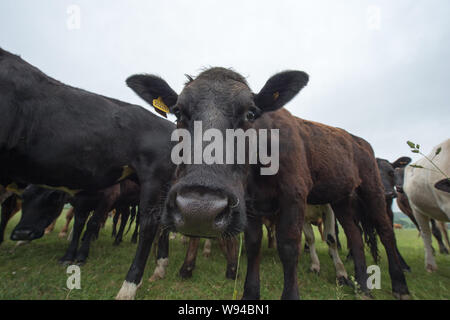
[
  {"x": 314, "y": 270},
  {"x": 128, "y": 291},
  {"x": 367, "y": 296},
  {"x": 401, "y": 296},
  {"x": 186, "y": 273},
  {"x": 62, "y": 235},
  {"x": 154, "y": 277},
  {"x": 431, "y": 268},
  {"x": 80, "y": 260},
  {"x": 206, "y": 254},
  {"x": 65, "y": 262},
  {"x": 344, "y": 281},
  {"x": 406, "y": 269}
]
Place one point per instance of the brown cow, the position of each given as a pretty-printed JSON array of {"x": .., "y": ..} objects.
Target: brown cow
[
  {"x": 318, "y": 164},
  {"x": 398, "y": 226}
]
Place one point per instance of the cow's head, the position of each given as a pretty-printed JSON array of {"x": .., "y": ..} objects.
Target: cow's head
[
  {"x": 209, "y": 199},
  {"x": 387, "y": 173},
  {"x": 443, "y": 185},
  {"x": 40, "y": 207}
]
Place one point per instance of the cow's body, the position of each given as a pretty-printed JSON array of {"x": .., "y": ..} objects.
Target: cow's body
[
  {"x": 56, "y": 135},
  {"x": 426, "y": 201},
  {"x": 63, "y": 137}
]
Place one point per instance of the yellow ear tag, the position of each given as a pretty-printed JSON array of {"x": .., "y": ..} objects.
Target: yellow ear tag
[
  {"x": 276, "y": 95},
  {"x": 159, "y": 104}
]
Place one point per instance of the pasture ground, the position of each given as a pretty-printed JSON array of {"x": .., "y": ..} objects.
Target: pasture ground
[{"x": 32, "y": 271}]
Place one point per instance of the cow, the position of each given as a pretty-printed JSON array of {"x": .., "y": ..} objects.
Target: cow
[
  {"x": 42, "y": 205},
  {"x": 387, "y": 171},
  {"x": 403, "y": 203},
  {"x": 425, "y": 200},
  {"x": 324, "y": 212},
  {"x": 398, "y": 226},
  {"x": 59, "y": 136},
  {"x": 387, "y": 174},
  {"x": 318, "y": 164}
]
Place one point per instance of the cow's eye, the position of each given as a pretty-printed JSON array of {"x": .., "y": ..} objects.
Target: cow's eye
[
  {"x": 176, "y": 111},
  {"x": 250, "y": 116}
]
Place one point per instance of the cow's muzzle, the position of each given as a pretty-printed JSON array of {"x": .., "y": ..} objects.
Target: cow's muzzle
[{"x": 201, "y": 213}]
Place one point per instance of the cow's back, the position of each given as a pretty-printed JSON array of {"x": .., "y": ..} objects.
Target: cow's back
[
  {"x": 419, "y": 183},
  {"x": 329, "y": 161},
  {"x": 58, "y": 135}
]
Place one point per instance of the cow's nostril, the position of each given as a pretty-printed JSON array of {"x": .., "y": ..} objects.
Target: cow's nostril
[
  {"x": 205, "y": 204},
  {"x": 201, "y": 213}
]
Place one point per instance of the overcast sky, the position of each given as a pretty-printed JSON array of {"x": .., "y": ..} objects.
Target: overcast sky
[{"x": 379, "y": 69}]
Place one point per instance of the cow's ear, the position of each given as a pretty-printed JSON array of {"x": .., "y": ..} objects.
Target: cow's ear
[
  {"x": 401, "y": 162},
  {"x": 280, "y": 89},
  {"x": 154, "y": 90},
  {"x": 443, "y": 185}
]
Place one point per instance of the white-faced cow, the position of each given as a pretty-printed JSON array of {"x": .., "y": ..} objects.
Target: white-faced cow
[
  {"x": 318, "y": 164},
  {"x": 426, "y": 201}
]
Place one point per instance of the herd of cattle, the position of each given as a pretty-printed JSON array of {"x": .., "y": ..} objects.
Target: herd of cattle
[{"x": 60, "y": 144}]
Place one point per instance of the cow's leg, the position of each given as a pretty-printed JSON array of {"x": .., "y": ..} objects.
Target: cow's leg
[
  {"x": 320, "y": 227},
  {"x": 345, "y": 211},
  {"x": 336, "y": 232},
  {"x": 149, "y": 215},
  {"x": 438, "y": 235},
  {"x": 424, "y": 224},
  {"x": 69, "y": 216},
  {"x": 229, "y": 247},
  {"x": 8, "y": 206},
  {"x": 329, "y": 230},
  {"x": 288, "y": 236},
  {"x": 189, "y": 260},
  {"x": 443, "y": 227},
  {"x": 390, "y": 214},
  {"x": 92, "y": 229},
  {"x": 134, "y": 237},
  {"x": 124, "y": 215},
  {"x": 117, "y": 214},
  {"x": 81, "y": 216},
  {"x": 375, "y": 207},
  {"x": 51, "y": 227},
  {"x": 253, "y": 237},
  {"x": 207, "y": 248},
  {"x": 271, "y": 243},
  {"x": 162, "y": 258},
  {"x": 310, "y": 240}
]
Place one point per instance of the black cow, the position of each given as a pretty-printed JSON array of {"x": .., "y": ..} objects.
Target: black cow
[
  {"x": 318, "y": 165},
  {"x": 41, "y": 206},
  {"x": 63, "y": 137}
]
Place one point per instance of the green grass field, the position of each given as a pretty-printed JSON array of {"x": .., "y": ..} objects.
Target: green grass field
[{"x": 32, "y": 271}]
